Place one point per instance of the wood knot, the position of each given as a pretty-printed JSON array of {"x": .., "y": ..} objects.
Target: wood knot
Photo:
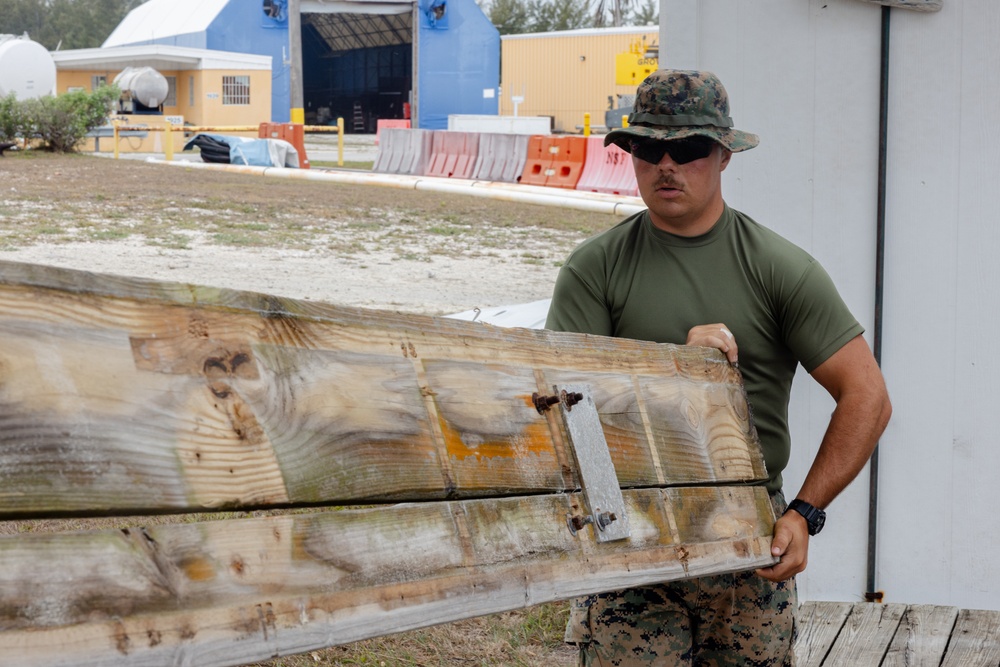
[{"x": 223, "y": 366}]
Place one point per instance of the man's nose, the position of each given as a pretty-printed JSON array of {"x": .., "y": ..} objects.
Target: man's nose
[{"x": 666, "y": 162}]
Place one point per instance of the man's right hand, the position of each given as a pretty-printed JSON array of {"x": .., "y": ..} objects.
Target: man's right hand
[
  {"x": 790, "y": 545},
  {"x": 715, "y": 335}
]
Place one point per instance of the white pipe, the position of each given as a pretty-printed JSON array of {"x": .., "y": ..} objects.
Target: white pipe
[{"x": 598, "y": 202}]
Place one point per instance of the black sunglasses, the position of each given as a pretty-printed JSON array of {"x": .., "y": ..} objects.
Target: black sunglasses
[{"x": 681, "y": 151}]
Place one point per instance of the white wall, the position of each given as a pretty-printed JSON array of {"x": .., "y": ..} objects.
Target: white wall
[{"x": 804, "y": 74}]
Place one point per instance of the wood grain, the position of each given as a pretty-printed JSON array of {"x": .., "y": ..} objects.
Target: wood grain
[
  {"x": 120, "y": 396},
  {"x": 129, "y": 396},
  {"x": 240, "y": 590},
  {"x": 845, "y": 633},
  {"x": 819, "y": 625},
  {"x": 866, "y": 635},
  {"x": 922, "y": 637},
  {"x": 975, "y": 640}
]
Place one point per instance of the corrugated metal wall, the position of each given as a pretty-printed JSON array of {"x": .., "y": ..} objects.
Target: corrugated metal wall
[{"x": 565, "y": 74}]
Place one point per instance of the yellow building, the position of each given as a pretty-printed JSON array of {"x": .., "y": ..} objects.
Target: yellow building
[
  {"x": 567, "y": 74},
  {"x": 206, "y": 88}
]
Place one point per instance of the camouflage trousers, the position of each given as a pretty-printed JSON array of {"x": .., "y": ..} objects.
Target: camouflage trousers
[{"x": 720, "y": 620}]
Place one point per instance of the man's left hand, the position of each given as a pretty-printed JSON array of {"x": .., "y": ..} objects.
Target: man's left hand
[{"x": 791, "y": 545}]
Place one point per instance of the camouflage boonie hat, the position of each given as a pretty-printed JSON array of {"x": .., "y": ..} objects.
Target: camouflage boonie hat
[{"x": 673, "y": 104}]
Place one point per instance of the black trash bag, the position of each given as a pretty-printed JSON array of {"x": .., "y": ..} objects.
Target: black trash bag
[{"x": 212, "y": 150}]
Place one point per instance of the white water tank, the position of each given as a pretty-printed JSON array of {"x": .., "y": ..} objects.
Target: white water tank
[
  {"x": 144, "y": 85},
  {"x": 26, "y": 68}
]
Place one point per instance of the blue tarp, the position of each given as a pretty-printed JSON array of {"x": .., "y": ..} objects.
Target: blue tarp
[{"x": 244, "y": 150}]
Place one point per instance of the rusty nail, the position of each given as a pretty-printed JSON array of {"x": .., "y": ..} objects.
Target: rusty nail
[
  {"x": 542, "y": 403},
  {"x": 575, "y": 523}
]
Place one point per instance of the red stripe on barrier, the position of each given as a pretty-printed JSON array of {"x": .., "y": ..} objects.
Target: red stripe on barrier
[{"x": 385, "y": 123}]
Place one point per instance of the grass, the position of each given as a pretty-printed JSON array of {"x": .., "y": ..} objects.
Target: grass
[
  {"x": 527, "y": 638},
  {"x": 324, "y": 164},
  {"x": 62, "y": 199}
]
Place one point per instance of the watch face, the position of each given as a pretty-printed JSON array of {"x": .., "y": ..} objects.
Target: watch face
[
  {"x": 818, "y": 521},
  {"x": 815, "y": 517}
]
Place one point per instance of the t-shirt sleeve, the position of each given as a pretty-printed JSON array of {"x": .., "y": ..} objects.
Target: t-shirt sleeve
[
  {"x": 815, "y": 321},
  {"x": 578, "y": 305}
]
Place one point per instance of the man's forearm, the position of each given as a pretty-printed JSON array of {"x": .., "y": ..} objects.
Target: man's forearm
[{"x": 857, "y": 423}]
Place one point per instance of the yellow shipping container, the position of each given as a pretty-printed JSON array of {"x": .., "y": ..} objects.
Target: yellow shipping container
[{"x": 565, "y": 75}]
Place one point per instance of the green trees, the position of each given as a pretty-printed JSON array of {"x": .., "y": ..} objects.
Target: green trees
[
  {"x": 512, "y": 17},
  {"x": 64, "y": 24},
  {"x": 60, "y": 123}
]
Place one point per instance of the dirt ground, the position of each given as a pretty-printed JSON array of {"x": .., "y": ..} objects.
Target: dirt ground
[
  {"x": 362, "y": 246},
  {"x": 353, "y": 245}
]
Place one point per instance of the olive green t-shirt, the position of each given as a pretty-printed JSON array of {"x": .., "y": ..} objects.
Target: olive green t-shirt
[{"x": 637, "y": 281}]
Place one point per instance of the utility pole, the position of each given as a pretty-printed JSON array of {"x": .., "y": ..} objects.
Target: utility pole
[{"x": 298, "y": 113}]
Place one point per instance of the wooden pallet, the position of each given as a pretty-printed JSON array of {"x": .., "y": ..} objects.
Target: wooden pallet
[
  {"x": 408, "y": 474},
  {"x": 884, "y": 635}
]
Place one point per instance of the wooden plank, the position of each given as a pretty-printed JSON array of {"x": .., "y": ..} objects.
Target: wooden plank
[
  {"x": 818, "y": 625},
  {"x": 918, "y": 5},
  {"x": 975, "y": 641},
  {"x": 865, "y": 637},
  {"x": 240, "y": 590},
  {"x": 126, "y": 395},
  {"x": 922, "y": 637}
]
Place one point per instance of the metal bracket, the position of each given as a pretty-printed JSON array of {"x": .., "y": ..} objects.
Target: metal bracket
[{"x": 597, "y": 472}]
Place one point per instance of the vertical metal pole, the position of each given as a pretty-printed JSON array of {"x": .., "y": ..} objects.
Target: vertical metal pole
[
  {"x": 298, "y": 114},
  {"x": 873, "y": 594},
  {"x": 340, "y": 141},
  {"x": 415, "y": 77},
  {"x": 168, "y": 141}
]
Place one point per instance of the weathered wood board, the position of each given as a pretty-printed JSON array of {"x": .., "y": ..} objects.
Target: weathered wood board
[
  {"x": 128, "y": 396},
  {"x": 230, "y": 592},
  {"x": 895, "y": 635},
  {"x": 133, "y": 396}
]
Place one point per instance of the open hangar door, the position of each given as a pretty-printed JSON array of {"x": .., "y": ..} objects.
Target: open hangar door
[{"x": 357, "y": 63}]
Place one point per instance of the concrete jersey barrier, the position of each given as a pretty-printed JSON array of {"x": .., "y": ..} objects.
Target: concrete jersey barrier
[
  {"x": 569, "y": 162},
  {"x": 608, "y": 169},
  {"x": 501, "y": 157},
  {"x": 403, "y": 151}
]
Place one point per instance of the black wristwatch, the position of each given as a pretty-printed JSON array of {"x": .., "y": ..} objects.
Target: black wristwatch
[{"x": 814, "y": 516}]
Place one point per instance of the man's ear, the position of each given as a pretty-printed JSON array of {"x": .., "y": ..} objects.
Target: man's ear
[{"x": 724, "y": 158}]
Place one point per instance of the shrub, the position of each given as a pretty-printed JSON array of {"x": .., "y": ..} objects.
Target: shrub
[
  {"x": 59, "y": 122},
  {"x": 12, "y": 120}
]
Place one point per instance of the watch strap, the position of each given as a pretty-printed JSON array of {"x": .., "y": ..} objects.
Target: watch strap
[{"x": 815, "y": 517}]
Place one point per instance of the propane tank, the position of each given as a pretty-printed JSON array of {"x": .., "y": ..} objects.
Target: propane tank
[
  {"x": 143, "y": 85},
  {"x": 26, "y": 68}
]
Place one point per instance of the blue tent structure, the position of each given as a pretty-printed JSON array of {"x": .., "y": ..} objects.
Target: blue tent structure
[{"x": 362, "y": 59}]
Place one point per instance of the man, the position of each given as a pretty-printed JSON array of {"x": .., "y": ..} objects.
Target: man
[{"x": 690, "y": 270}]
